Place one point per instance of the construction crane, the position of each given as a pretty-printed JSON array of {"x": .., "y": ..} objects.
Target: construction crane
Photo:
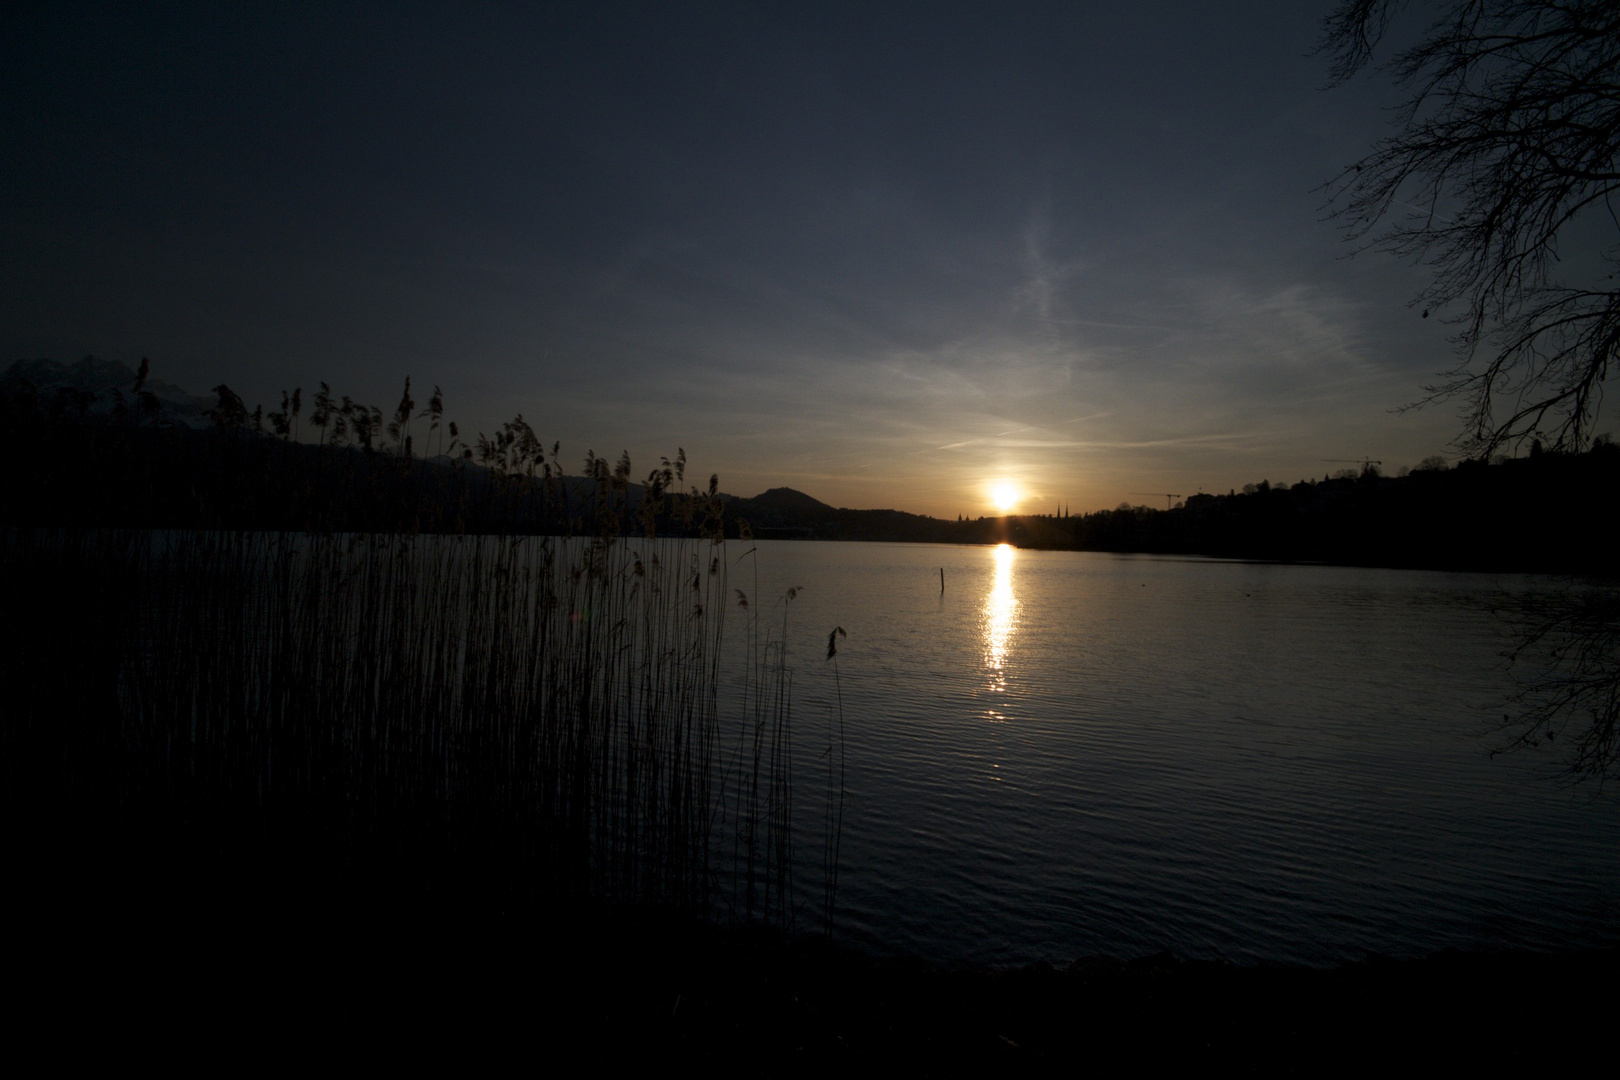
[
  {"x": 1365, "y": 463},
  {"x": 1168, "y": 498}
]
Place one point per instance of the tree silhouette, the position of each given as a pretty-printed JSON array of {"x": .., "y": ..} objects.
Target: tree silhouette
[
  {"x": 1508, "y": 144},
  {"x": 1505, "y": 146}
]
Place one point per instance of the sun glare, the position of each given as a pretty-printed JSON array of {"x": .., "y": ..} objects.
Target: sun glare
[{"x": 1005, "y": 496}]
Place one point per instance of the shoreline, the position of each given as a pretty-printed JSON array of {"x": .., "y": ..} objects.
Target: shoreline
[{"x": 248, "y": 980}]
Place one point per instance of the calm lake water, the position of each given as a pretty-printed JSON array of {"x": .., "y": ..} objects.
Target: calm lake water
[{"x": 1067, "y": 754}]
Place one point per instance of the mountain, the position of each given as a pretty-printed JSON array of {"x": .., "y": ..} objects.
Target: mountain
[
  {"x": 780, "y": 513},
  {"x": 788, "y": 503},
  {"x": 783, "y": 513},
  {"x": 101, "y": 386}
]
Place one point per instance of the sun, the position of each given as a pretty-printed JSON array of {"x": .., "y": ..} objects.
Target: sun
[{"x": 1005, "y": 496}]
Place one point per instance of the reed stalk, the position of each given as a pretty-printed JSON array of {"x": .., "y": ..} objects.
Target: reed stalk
[
  {"x": 534, "y": 717},
  {"x": 302, "y": 666}
]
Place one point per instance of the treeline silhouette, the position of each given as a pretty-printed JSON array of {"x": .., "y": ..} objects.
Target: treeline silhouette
[{"x": 1546, "y": 512}]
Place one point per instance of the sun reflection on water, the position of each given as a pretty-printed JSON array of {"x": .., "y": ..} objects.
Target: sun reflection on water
[{"x": 1000, "y": 617}]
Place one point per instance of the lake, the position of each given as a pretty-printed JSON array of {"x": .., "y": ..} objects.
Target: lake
[{"x": 1064, "y": 754}]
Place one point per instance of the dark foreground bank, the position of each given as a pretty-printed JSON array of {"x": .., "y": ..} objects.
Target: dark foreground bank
[{"x": 234, "y": 980}]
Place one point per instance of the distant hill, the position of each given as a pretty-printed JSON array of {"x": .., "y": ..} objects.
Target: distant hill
[
  {"x": 101, "y": 386},
  {"x": 783, "y": 513},
  {"x": 787, "y": 503},
  {"x": 91, "y": 450},
  {"x": 780, "y": 513}
]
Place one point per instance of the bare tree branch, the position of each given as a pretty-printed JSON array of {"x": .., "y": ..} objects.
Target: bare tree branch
[
  {"x": 1509, "y": 139},
  {"x": 1571, "y": 648},
  {"x": 1508, "y": 142}
]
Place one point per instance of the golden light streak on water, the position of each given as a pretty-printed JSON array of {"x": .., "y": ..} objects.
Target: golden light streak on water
[{"x": 1000, "y": 618}]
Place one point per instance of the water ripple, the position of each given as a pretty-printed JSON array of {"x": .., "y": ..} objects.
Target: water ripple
[{"x": 1071, "y": 753}]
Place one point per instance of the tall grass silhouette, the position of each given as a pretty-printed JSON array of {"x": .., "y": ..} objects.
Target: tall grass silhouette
[{"x": 534, "y": 717}]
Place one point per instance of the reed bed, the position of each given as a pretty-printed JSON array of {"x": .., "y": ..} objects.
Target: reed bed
[
  {"x": 537, "y": 718},
  {"x": 334, "y": 663}
]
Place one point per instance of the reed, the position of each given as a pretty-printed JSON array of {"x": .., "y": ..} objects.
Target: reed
[
  {"x": 501, "y": 683},
  {"x": 759, "y": 779},
  {"x": 529, "y": 717}
]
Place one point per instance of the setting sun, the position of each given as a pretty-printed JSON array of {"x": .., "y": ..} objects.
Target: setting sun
[{"x": 1005, "y": 496}]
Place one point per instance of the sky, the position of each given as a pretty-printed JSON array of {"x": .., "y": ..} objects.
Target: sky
[{"x": 891, "y": 255}]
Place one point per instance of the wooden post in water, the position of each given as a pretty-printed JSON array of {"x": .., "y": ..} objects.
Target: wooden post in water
[{"x": 942, "y": 580}]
